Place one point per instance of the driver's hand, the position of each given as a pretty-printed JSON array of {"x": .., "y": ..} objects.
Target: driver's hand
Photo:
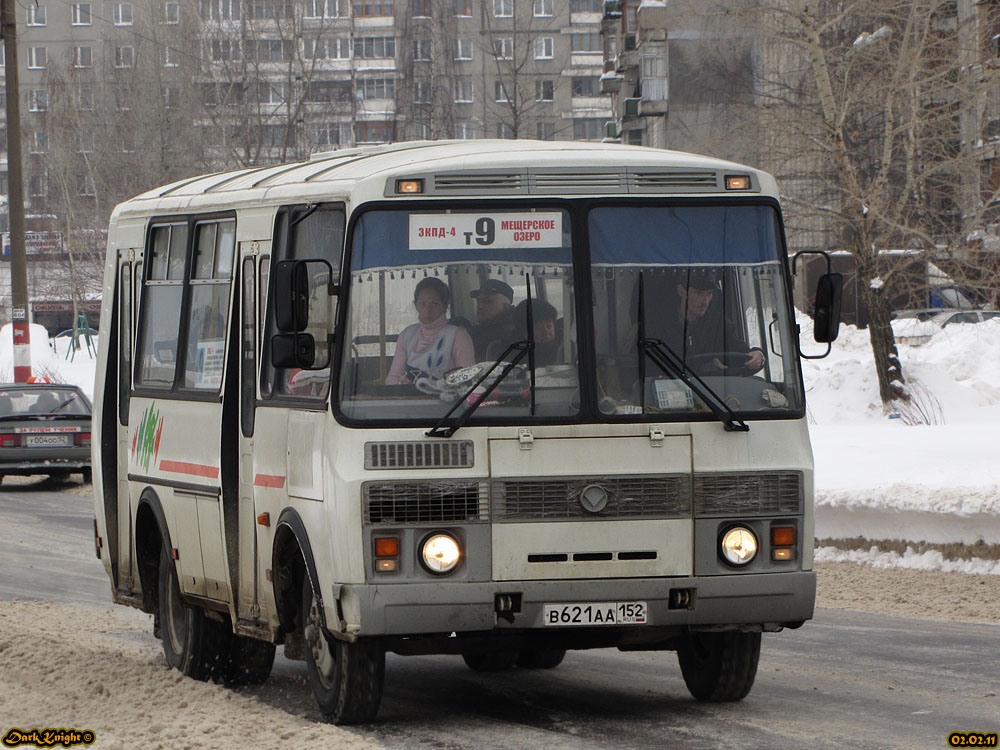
[{"x": 755, "y": 359}]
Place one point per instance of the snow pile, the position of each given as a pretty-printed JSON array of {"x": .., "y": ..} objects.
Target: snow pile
[
  {"x": 48, "y": 358},
  {"x": 929, "y": 560}
]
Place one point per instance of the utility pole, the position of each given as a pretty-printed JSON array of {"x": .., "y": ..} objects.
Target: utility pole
[{"x": 15, "y": 182}]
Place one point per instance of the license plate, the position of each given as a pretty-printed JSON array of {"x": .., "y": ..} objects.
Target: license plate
[
  {"x": 595, "y": 613},
  {"x": 46, "y": 439}
]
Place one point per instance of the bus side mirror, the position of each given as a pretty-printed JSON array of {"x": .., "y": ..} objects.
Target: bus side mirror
[
  {"x": 291, "y": 296},
  {"x": 293, "y": 350},
  {"x": 826, "y": 316}
]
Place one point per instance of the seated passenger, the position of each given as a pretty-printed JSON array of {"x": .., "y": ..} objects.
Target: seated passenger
[
  {"x": 548, "y": 338},
  {"x": 496, "y": 324},
  {"x": 433, "y": 346}
]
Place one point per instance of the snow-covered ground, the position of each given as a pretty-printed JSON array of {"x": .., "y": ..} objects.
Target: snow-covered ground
[{"x": 930, "y": 473}]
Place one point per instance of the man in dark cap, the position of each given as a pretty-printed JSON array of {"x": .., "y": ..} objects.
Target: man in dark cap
[
  {"x": 695, "y": 328},
  {"x": 496, "y": 324}
]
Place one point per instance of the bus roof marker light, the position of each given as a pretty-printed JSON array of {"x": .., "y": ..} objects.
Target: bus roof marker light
[
  {"x": 737, "y": 182},
  {"x": 404, "y": 187}
]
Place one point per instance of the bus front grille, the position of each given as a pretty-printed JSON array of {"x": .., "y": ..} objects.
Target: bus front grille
[
  {"x": 623, "y": 497},
  {"x": 425, "y": 502},
  {"x": 742, "y": 493},
  {"x": 416, "y": 454}
]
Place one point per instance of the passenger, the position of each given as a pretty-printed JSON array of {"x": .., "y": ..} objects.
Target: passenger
[
  {"x": 548, "y": 338},
  {"x": 496, "y": 323},
  {"x": 432, "y": 346}
]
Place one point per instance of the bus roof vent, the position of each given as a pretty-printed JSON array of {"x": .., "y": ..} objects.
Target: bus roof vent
[
  {"x": 452, "y": 454},
  {"x": 673, "y": 181},
  {"x": 481, "y": 182},
  {"x": 609, "y": 181}
]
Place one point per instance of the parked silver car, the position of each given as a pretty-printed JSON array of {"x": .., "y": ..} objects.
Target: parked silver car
[
  {"x": 915, "y": 327},
  {"x": 44, "y": 429}
]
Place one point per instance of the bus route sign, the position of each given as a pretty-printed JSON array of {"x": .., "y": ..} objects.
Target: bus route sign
[{"x": 505, "y": 230}]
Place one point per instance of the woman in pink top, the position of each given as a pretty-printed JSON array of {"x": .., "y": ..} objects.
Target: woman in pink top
[{"x": 433, "y": 346}]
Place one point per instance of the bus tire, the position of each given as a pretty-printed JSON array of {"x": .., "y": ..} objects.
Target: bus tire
[
  {"x": 250, "y": 661},
  {"x": 346, "y": 678},
  {"x": 719, "y": 667},
  {"x": 87, "y": 476},
  {"x": 192, "y": 643},
  {"x": 491, "y": 661},
  {"x": 541, "y": 658}
]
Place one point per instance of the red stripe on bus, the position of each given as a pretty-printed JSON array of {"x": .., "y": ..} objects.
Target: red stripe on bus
[
  {"x": 268, "y": 480},
  {"x": 183, "y": 467}
]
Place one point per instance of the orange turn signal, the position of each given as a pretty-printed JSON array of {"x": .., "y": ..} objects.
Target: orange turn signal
[
  {"x": 737, "y": 182},
  {"x": 387, "y": 546},
  {"x": 782, "y": 553},
  {"x": 409, "y": 186},
  {"x": 782, "y": 536}
]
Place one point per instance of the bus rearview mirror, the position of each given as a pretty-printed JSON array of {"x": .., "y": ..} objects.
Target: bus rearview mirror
[
  {"x": 826, "y": 316},
  {"x": 293, "y": 350},
  {"x": 291, "y": 296}
]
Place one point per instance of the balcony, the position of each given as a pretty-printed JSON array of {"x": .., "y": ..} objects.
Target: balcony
[
  {"x": 652, "y": 107},
  {"x": 611, "y": 83}
]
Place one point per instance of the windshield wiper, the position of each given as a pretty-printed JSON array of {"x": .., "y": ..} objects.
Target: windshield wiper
[
  {"x": 667, "y": 360},
  {"x": 523, "y": 347}
]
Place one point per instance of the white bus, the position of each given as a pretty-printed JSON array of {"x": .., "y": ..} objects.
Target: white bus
[{"x": 495, "y": 399}]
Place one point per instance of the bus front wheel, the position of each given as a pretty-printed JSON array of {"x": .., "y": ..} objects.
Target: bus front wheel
[
  {"x": 541, "y": 658},
  {"x": 719, "y": 667},
  {"x": 346, "y": 678},
  {"x": 192, "y": 643}
]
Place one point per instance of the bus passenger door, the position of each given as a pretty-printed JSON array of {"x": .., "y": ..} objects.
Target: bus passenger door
[{"x": 129, "y": 265}]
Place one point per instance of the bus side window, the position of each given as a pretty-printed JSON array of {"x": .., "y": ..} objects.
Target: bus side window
[
  {"x": 163, "y": 290},
  {"x": 125, "y": 341},
  {"x": 303, "y": 233}
]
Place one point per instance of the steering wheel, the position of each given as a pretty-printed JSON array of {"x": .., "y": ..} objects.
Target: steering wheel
[{"x": 720, "y": 363}]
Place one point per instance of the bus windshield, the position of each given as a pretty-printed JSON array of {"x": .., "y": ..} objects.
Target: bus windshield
[{"x": 438, "y": 295}]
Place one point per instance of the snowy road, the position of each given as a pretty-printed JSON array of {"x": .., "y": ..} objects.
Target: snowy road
[{"x": 846, "y": 678}]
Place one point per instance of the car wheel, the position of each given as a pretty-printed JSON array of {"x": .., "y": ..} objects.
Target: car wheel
[
  {"x": 250, "y": 661},
  {"x": 541, "y": 658},
  {"x": 719, "y": 667},
  {"x": 346, "y": 678},
  {"x": 192, "y": 643},
  {"x": 491, "y": 661}
]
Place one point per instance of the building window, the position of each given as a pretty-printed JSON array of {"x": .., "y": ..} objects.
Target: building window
[
  {"x": 421, "y": 131},
  {"x": 36, "y": 58},
  {"x": 586, "y": 87},
  {"x": 545, "y": 90},
  {"x": 654, "y": 77},
  {"x": 39, "y": 143},
  {"x": 273, "y": 50},
  {"x": 326, "y": 135},
  {"x": 171, "y": 97},
  {"x": 220, "y": 10},
  {"x": 85, "y": 185},
  {"x": 125, "y": 57},
  {"x": 38, "y": 185},
  {"x": 585, "y": 6},
  {"x": 169, "y": 57},
  {"x": 375, "y": 132},
  {"x": 326, "y": 8},
  {"x": 588, "y": 129},
  {"x": 85, "y": 142},
  {"x": 38, "y": 100},
  {"x": 367, "y": 8},
  {"x": 463, "y": 90},
  {"x": 225, "y": 50},
  {"x": 505, "y": 130},
  {"x": 463, "y": 49},
  {"x": 122, "y": 14},
  {"x": 587, "y": 42},
  {"x": 328, "y": 92},
  {"x": 83, "y": 57},
  {"x": 543, "y": 48},
  {"x": 267, "y": 9},
  {"x": 542, "y": 8},
  {"x": 36, "y": 15},
  {"x": 271, "y": 92},
  {"x": 171, "y": 13},
  {"x": 80, "y": 15},
  {"x": 465, "y": 131},
  {"x": 123, "y": 100},
  {"x": 337, "y": 48},
  {"x": 463, "y": 8},
  {"x": 375, "y": 48},
  {"x": 422, "y": 50},
  {"x": 503, "y": 48},
  {"x": 85, "y": 98},
  {"x": 376, "y": 88},
  {"x": 500, "y": 92},
  {"x": 503, "y": 8},
  {"x": 3, "y": 56},
  {"x": 422, "y": 9},
  {"x": 545, "y": 131},
  {"x": 422, "y": 92}
]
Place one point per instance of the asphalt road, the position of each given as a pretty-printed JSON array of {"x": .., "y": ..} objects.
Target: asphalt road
[{"x": 846, "y": 679}]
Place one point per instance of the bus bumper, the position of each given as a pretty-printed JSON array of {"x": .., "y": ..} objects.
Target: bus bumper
[{"x": 770, "y": 600}]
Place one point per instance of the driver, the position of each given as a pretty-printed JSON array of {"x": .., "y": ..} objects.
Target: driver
[{"x": 697, "y": 331}]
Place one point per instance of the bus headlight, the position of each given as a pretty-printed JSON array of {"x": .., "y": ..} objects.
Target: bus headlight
[
  {"x": 738, "y": 546},
  {"x": 440, "y": 553}
]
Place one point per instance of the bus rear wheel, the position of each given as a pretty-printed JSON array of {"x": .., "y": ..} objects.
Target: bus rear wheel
[
  {"x": 719, "y": 667},
  {"x": 346, "y": 678},
  {"x": 192, "y": 643},
  {"x": 491, "y": 661},
  {"x": 250, "y": 661}
]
